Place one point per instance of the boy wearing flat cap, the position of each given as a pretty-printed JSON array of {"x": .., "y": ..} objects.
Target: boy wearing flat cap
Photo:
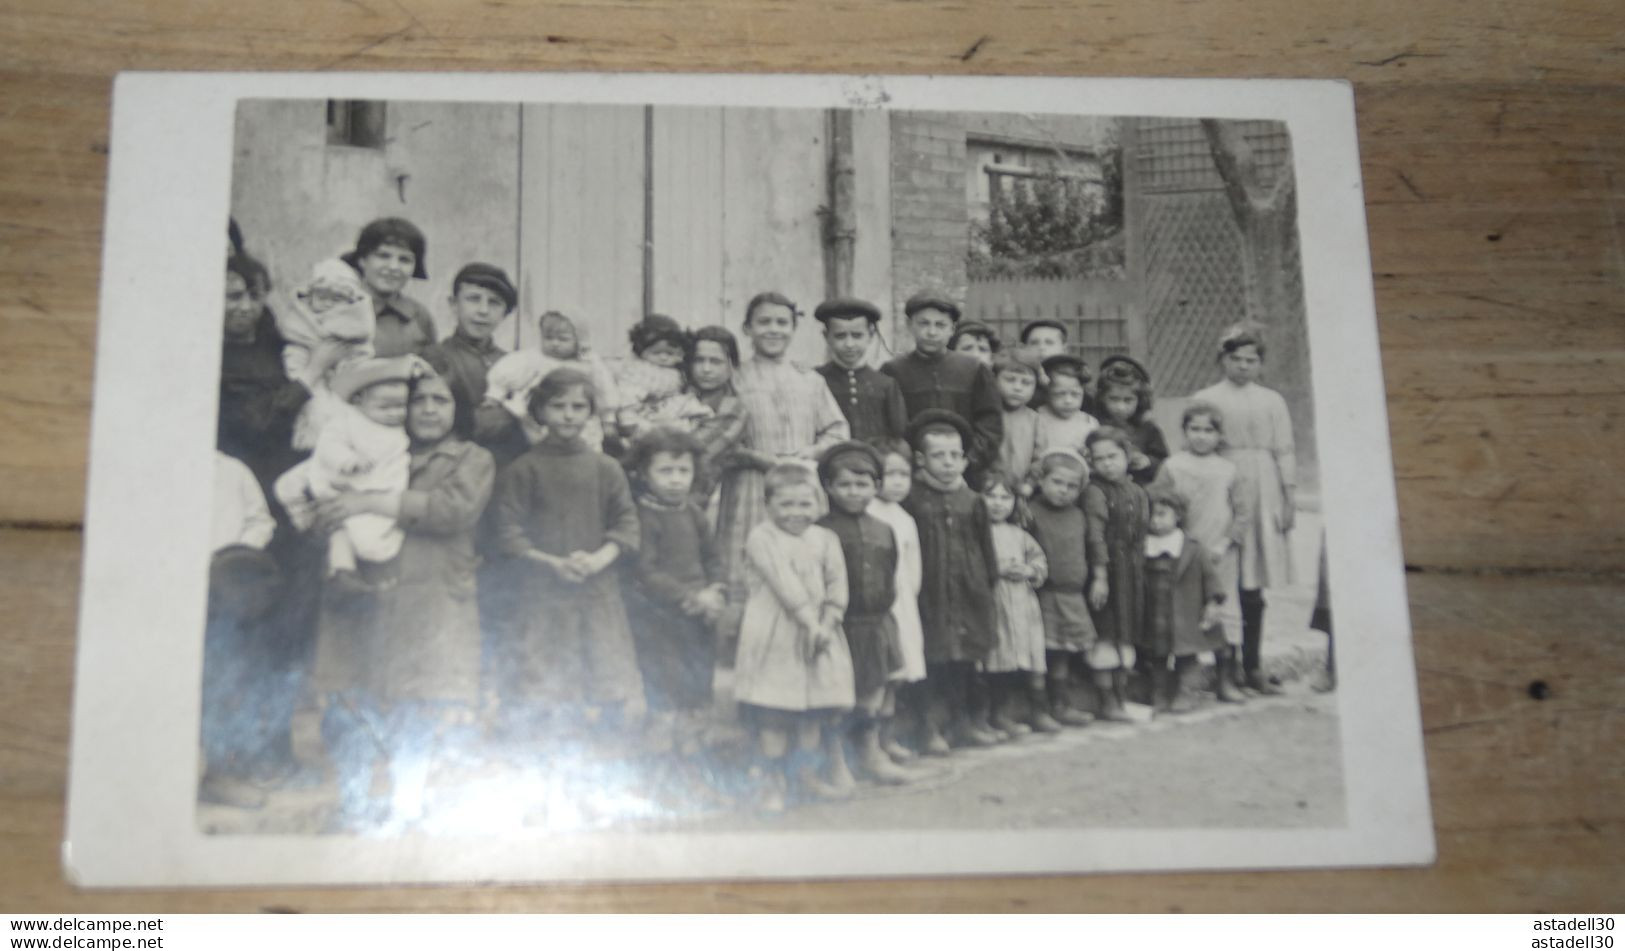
[
  {"x": 481, "y": 298},
  {"x": 870, "y": 400},
  {"x": 933, "y": 378}
]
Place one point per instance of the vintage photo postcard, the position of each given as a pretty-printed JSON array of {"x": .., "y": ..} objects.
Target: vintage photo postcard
[{"x": 590, "y": 477}]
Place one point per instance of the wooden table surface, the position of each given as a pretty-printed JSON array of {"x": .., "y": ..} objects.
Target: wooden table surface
[{"x": 1493, "y": 142}]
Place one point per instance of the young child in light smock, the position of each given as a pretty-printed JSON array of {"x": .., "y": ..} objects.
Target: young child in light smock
[
  {"x": 654, "y": 391},
  {"x": 363, "y": 447},
  {"x": 332, "y": 306},
  {"x": 512, "y": 379}
]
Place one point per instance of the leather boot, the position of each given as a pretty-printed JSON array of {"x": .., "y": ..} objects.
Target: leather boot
[
  {"x": 1224, "y": 677},
  {"x": 808, "y": 785},
  {"x": 890, "y": 746},
  {"x": 1109, "y": 683},
  {"x": 1002, "y": 719},
  {"x": 1062, "y": 711},
  {"x": 1160, "y": 694},
  {"x": 836, "y": 770},
  {"x": 1184, "y": 687},
  {"x": 1262, "y": 685},
  {"x": 873, "y": 762},
  {"x": 1039, "y": 719}
]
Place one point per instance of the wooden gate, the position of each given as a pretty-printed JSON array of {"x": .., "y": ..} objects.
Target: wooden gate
[{"x": 1100, "y": 315}]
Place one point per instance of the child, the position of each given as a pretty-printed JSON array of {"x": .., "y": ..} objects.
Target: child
[
  {"x": 362, "y": 448},
  {"x": 1016, "y": 373},
  {"x": 960, "y": 573},
  {"x": 975, "y": 339},
  {"x": 332, "y": 307},
  {"x": 896, "y": 478},
  {"x": 1116, "y": 510},
  {"x": 1123, "y": 398},
  {"x": 713, "y": 357},
  {"x": 850, "y": 474},
  {"x": 568, "y": 511},
  {"x": 793, "y": 673},
  {"x": 870, "y": 400},
  {"x": 1062, "y": 423},
  {"x": 513, "y": 378},
  {"x": 933, "y": 378},
  {"x": 1059, "y": 525},
  {"x": 1182, "y": 598},
  {"x": 652, "y": 386},
  {"x": 1045, "y": 338},
  {"x": 1258, "y": 439},
  {"x": 1215, "y": 517},
  {"x": 1017, "y": 662},
  {"x": 677, "y": 592}
]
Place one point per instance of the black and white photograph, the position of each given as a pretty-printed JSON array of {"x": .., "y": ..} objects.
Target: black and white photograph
[{"x": 730, "y": 485}]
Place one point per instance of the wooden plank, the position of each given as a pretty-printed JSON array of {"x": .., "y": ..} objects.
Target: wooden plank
[
  {"x": 774, "y": 183},
  {"x": 1525, "y": 792},
  {"x": 582, "y": 205},
  {"x": 688, "y": 230}
]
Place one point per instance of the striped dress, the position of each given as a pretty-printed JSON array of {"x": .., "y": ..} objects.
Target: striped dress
[{"x": 792, "y": 416}]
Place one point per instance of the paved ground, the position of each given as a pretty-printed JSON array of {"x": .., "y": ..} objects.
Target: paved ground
[{"x": 1273, "y": 762}]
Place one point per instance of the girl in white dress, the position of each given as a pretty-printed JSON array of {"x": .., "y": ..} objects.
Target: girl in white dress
[
  {"x": 793, "y": 671},
  {"x": 1258, "y": 439}
]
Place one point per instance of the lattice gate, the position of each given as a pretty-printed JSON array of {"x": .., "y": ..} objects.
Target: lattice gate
[{"x": 1184, "y": 246}]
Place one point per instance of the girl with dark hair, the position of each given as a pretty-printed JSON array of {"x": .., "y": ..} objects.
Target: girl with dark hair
[
  {"x": 1123, "y": 399},
  {"x": 388, "y": 253},
  {"x": 400, "y": 671},
  {"x": 713, "y": 356},
  {"x": 651, "y": 383},
  {"x": 567, "y": 512}
]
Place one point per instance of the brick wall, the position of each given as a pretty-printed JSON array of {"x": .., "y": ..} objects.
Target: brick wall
[{"x": 929, "y": 217}]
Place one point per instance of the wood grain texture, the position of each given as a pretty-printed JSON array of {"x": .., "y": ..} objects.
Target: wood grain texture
[{"x": 1493, "y": 144}]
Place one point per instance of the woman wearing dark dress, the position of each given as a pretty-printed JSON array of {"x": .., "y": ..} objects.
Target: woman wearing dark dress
[{"x": 400, "y": 672}]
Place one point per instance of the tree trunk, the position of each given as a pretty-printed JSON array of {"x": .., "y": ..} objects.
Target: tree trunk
[{"x": 1266, "y": 214}]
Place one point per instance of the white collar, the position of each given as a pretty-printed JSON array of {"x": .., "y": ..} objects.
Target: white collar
[{"x": 1170, "y": 544}]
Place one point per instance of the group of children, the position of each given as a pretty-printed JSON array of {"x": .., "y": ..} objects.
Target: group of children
[
  {"x": 912, "y": 590},
  {"x": 895, "y": 609}
]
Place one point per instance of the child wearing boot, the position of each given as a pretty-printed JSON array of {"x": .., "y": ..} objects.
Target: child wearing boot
[
  {"x": 1017, "y": 663},
  {"x": 908, "y": 681},
  {"x": 1116, "y": 509},
  {"x": 792, "y": 671},
  {"x": 1060, "y": 527},
  {"x": 1215, "y": 518},
  {"x": 1182, "y": 597},
  {"x": 1259, "y": 440},
  {"x": 850, "y": 472},
  {"x": 676, "y": 596},
  {"x": 960, "y": 574}
]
